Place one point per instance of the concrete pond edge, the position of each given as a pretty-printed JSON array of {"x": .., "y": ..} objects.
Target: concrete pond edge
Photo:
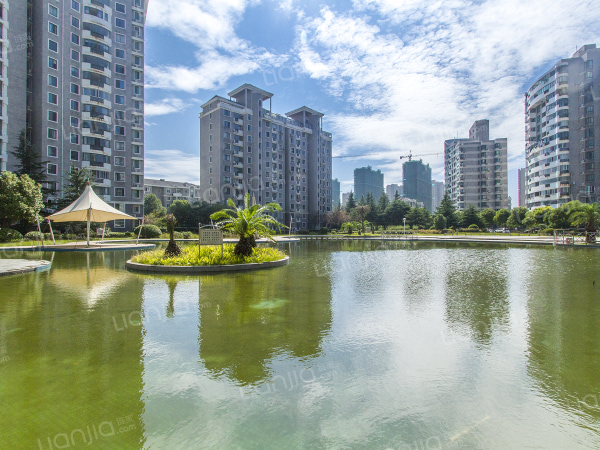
[{"x": 137, "y": 267}]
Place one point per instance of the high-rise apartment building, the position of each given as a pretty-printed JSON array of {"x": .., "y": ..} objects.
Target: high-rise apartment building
[
  {"x": 246, "y": 148},
  {"x": 417, "y": 182},
  {"x": 335, "y": 193},
  {"x": 367, "y": 180},
  {"x": 75, "y": 85},
  {"x": 562, "y": 119},
  {"x": 392, "y": 189},
  {"x": 437, "y": 190},
  {"x": 476, "y": 169},
  {"x": 345, "y": 198}
]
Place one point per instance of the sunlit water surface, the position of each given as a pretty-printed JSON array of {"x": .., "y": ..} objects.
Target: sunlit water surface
[{"x": 352, "y": 345}]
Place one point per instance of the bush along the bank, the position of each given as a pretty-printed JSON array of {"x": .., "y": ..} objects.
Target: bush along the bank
[
  {"x": 34, "y": 236},
  {"x": 192, "y": 255},
  {"x": 148, "y": 231},
  {"x": 10, "y": 235}
]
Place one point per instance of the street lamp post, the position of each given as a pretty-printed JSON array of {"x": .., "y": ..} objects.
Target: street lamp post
[{"x": 404, "y": 219}]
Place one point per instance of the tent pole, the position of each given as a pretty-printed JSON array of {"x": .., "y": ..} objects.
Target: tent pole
[
  {"x": 88, "y": 225},
  {"x": 139, "y": 232},
  {"x": 103, "y": 231},
  {"x": 51, "y": 232}
]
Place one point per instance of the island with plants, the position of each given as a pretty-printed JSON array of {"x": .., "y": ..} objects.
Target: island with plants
[{"x": 247, "y": 222}]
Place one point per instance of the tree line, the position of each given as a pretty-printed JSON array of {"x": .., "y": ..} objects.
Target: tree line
[{"x": 384, "y": 213}]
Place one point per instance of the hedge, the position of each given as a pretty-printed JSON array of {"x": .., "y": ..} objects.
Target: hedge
[
  {"x": 148, "y": 231},
  {"x": 8, "y": 235}
]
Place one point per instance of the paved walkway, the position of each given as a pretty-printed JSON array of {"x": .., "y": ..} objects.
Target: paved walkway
[{"x": 17, "y": 266}]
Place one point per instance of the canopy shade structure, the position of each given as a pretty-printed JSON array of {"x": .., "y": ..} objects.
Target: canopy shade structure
[{"x": 89, "y": 208}]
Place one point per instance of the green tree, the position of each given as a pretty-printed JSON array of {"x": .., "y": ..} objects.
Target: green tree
[
  {"x": 515, "y": 220},
  {"x": 20, "y": 199},
  {"x": 560, "y": 218},
  {"x": 336, "y": 218},
  {"x": 382, "y": 204},
  {"x": 29, "y": 160},
  {"x": 373, "y": 215},
  {"x": 77, "y": 181},
  {"x": 501, "y": 217},
  {"x": 182, "y": 210},
  {"x": 439, "y": 222},
  {"x": 153, "y": 205},
  {"x": 396, "y": 211},
  {"x": 447, "y": 209},
  {"x": 172, "y": 248},
  {"x": 419, "y": 217},
  {"x": 470, "y": 216},
  {"x": 588, "y": 215},
  {"x": 351, "y": 203},
  {"x": 487, "y": 217},
  {"x": 361, "y": 212},
  {"x": 248, "y": 222}
]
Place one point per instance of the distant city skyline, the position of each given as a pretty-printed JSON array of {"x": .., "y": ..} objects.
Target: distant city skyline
[{"x": 409, "y": 86}]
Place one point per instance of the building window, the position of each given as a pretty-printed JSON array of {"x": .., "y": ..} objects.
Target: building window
[
  {"x": 119, "y": 7},
  {"x": 74, "y": 72},
  {"x": 137, "y": 149},
  {"x": 52, "y": 133},
  {"x": 52, "y": 63},
  {"x": 74, "y": 138},
  {"x": 75, "y": 5},
  {"x": 120, "y": 23},
  {"x": 75, "y": 21},
  {"x": 119, "y": 53},
  {"x": 119, "y": 192},
  {"x": 120, "y": 38},
  {"x": 52, "y": 45},
  {"x": 120, "y": 99},
  {"x": 74, "y": 122},
  {"x": 74, "y": 89},
  {"x": 120, "y": 131},
  {"x": 53, "y": 11},
  {"x": 52, "y": 169},
  {"x": 119, "y": 161},
  {"x": 74, "y": 155},
  {"x": 52, "y": 81},
  {"x": 120, "y": 115},
  {"x": 120, "y": 84},
  {"x": 52, "y": 151},
  {"x": 120, "y": 176},
  {"x": 74, "y": 105},
  {"x": 137, "y": 61},
  {"x": 74, "y": 55},
  {"x": 75, "y": 38},
  {"x": 52, "y": 116},
  {"x": 120, "y": 69},
  {"x": 53, "y": 28}
]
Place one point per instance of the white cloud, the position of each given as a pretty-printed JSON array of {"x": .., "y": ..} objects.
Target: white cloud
[
  {"x": 414, "y": 73},
  {"x": 172, "y": 165},
  {"x": 210, "y": 26},
  {"x": 164, "y": 106}
]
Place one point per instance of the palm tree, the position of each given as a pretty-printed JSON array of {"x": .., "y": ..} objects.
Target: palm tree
[
  {"x": 588, "y": 215},
  {"x": 248, "y": 222},
  {"x": 172, "y": 249}
]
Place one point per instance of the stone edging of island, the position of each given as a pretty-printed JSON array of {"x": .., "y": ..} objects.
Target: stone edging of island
[{"x": 206, "y": 269}]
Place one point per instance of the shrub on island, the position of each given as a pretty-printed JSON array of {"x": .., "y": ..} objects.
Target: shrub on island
[{"x": 192, "y": 255}]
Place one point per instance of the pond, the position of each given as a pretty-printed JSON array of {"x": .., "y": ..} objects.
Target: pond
[{"x": 400, "y": 345}]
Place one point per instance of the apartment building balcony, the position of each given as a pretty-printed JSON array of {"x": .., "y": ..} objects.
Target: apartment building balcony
[
  {"x": 86, "y": 34},
  {"x": 238, "y": 132},
  {"x": 238, "y": 165},
  {"x": 239, "y": 175}
]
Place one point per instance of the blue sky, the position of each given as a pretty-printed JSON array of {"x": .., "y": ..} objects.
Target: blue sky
[{"x": 390, "y": 75}]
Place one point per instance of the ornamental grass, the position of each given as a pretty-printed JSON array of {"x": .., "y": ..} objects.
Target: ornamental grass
[{"x": 209, "y": 255}]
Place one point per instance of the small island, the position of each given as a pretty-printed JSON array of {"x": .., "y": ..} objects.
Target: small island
[{"x": 247, "y": 222}]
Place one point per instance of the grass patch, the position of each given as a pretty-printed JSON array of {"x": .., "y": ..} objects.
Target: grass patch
[{"x": 193, "y": 255}]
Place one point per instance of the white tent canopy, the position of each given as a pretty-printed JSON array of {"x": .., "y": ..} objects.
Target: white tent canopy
[{"x": 89, "y": 208}]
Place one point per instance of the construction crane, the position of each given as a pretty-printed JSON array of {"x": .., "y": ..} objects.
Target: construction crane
[{"x": 410, "y": 156}]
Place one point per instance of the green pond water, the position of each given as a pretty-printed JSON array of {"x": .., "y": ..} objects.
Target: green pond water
[{"x": 352, "y": 345}]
